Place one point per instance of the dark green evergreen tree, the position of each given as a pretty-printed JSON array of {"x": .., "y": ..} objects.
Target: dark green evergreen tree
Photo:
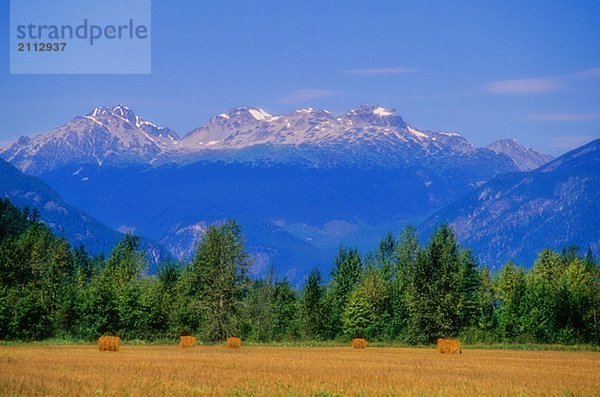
[
  {"x": 396, "y": 311},
  {"x": 286, "y": 312},
  {"x": 469, "y": 284},
  {"x": 312, "y": 306},
  {"x": 345, "y": 276},
  {"x": 433, "y": 292},
  {"x": 487, "y": 304}
]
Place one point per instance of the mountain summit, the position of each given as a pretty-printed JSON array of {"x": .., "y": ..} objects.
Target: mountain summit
[
  {"x": 105, "y": 135},
  {"x": 525, "y": 158},
  {"x": 363, "y": 126},
  {"x": 125, "y": 114}
]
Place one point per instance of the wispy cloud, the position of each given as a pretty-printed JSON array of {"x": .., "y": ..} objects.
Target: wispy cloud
[
  {"x": 563, "y": 116},
  {"x": 524, "y": 86},
  {"x": 390, "y": 70},
  {"x": 307, "y": 94},
  {"x": 571, "y": 141},
  {"x": 588, "y": 73},
  {"x": 539, "y": 85}
]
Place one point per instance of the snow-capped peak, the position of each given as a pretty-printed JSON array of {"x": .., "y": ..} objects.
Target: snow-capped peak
[
  {"x": 106, "y": 135},
  {"x": 106, "y": 116},
  {"x": 367, "y": 110},
  {"x": 374, "y": 115},
  {"x": 380, "y": 111},
  {"x": 526, "y": 159},
  {"x": 244, "y": 115},
  {"x": 118, "y": 110},
  {"x": 509, "y": 142},
  {"x": 121, "y": 111},
  {"x": 259, "y": 114}
]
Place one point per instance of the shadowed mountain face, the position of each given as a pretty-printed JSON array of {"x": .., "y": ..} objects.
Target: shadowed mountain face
[
  {"x": 514, "y": 216},
  {"x": 76, "y": 225},
  {"x": 300, "y": 184},
  {"x": 295, "y": 215}
]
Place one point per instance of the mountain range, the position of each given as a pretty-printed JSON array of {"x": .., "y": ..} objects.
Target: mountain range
[
  {"x": 301, "y": 184},
  {"x": 368, "y": 136}
]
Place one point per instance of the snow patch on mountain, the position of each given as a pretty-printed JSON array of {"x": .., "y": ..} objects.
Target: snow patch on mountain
[
  {"x": 382, "y": 111},
  {"x": 259, "y": 114}
]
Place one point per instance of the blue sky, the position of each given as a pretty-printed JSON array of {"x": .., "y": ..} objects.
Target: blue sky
[{"x": 489, "y": 70}]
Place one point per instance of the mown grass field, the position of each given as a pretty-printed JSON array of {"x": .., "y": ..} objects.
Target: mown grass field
[{"x": 76, "y": 370}]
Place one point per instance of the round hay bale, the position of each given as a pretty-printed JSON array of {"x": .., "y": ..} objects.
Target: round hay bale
[
  {"x": 187, "y": 341},
  {"x": 234, "y": 343},
  {"x": 359, "y": 343}
]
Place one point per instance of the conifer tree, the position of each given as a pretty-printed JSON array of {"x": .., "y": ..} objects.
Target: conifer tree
[
  {"x": 345, "y": 276},
  {"x": 469, "y": 287},
  {"x": 433, "y": 293},
  {"x": 312, "y": 306}
]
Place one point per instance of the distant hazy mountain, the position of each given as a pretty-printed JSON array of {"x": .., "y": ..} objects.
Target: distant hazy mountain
[
  {"x": 526, "y": 159},
  {"x": 516, "y": 215},
  {"x": 77, "y": 226}
]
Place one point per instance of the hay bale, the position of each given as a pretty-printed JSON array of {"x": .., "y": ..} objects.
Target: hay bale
[
  {"x": 109, "y": 343},
  {"x": 234, "y": 343},
  {"x": 187, "y": 341},
  {"x": 359, "y": 343},
  {"x": 103, "y": 343},
  {"x": 449, "y": 346}
]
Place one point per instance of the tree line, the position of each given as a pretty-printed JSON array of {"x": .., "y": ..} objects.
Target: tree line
[{"x": 402, "y": 291}]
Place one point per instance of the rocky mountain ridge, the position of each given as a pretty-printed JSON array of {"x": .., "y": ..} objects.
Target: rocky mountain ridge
[{"x": 365, "y": 136}]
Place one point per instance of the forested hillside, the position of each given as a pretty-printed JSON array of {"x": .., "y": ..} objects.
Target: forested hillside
[{"x": 402, "y": 291}]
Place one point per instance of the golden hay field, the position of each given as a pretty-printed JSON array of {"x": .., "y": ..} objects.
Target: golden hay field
[{"x": 215, "y": 370}]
